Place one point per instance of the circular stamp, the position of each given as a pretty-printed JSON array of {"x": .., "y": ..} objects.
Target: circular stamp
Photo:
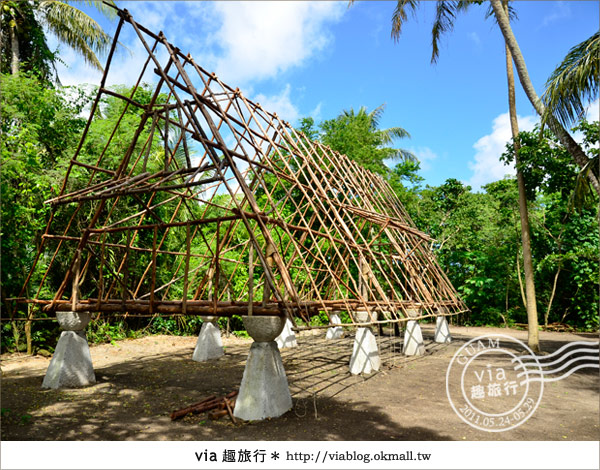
[{"x": 494, "y": 383}]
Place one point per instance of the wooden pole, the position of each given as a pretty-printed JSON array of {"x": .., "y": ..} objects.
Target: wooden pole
[{"x": 250, "y": 279}]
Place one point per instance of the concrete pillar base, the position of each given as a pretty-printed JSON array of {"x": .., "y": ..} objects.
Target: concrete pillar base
[
  {"x": 264, "y": 392},
  {"x": 287, "y": 337},
  {"x": 442, "y": 331},
  {"x": 209, "y": 345},
  {"x": 365, "y": 354},
  {"x": 71, "y": 364},
  {"x": 413, "y": 339},
  {"x": 335, "y": 332}
]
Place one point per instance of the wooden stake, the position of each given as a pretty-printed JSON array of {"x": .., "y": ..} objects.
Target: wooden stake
[{"x": 250, "y": 279}]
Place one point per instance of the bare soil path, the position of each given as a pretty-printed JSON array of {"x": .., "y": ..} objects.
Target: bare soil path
[{"x": 140, "y": 382}]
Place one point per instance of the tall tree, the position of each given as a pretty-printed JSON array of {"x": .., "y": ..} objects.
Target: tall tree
[
  {"x": 446, "y": 12},
  {"x": 357, "y": 135},
  {"x": 26, "y": 46},
  {"x": 563, "y": 135},
  {"x": 530, "y": 299}
]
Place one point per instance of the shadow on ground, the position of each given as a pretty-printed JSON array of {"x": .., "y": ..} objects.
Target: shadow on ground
[{"x": 137, "y": 389}]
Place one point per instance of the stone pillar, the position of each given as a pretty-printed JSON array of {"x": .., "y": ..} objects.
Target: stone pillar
[
  {"x": 365, "y": 353},
  {"x": 264, "y": 392},
  {"x": 287, "y": 337},
  {"x": 209, "y": 345},
  {"x": 71, "y": 364},
  {"x": 413, "y": 338},
  {"x": 335, "y": 332},
  {"x": 442, "y": 331}
]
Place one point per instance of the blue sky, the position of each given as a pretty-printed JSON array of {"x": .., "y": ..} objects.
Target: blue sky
[{"x": 318, "y": 58}]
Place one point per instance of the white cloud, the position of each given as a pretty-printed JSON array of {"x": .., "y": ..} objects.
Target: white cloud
[
  {"x": 559, "y": 10},
  {"x": 486, "y": 164},
  {"x": 280, "y": 104},
  {"x": 316, "y": 113},
  {"x": 592, "y": 112},
  {"x": 473, "y": 36},
  {"x": 262, "y": 39},
  {"x": 425, "y": 156}
]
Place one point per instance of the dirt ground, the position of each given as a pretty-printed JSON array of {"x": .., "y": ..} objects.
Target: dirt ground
[{"x": 140, "y": 382}]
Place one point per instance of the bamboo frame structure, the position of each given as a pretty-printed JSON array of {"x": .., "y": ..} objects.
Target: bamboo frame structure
[{"x": 229, "y": 210}]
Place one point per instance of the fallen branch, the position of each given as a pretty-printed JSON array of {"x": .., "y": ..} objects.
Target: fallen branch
[
  {"x": 230, "y": 411},
  {"x": 202, "y": 406}
]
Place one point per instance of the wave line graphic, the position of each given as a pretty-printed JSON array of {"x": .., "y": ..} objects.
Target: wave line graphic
[
  {"x": 558, "y": 351},
  {"x": 564, "y": 376},
  {"x": 538, "y": 371}
]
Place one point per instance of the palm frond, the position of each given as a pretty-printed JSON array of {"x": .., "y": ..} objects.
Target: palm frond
[
  {"x": 573, "y": 82},
  {"x": 402, "y": 154},
  {"x": 102, "y": 6},
  {"x": 445, "y": 14},
  {"x": 512, "y": 13},
  {"x": 401, "y": 15},
  {"x": 77, "y": 30},
  {"x": 375, "y": 115},
  {"x": 393, "y": 133}
]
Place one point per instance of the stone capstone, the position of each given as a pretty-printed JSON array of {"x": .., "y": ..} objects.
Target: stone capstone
[
  {"x": 73, "y": 321},
  {"x": 264, "y": 329}
]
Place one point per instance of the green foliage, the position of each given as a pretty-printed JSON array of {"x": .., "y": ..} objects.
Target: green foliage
[
  {"x": 39, "y": 128},
  {"x": 104, "y": 331},
  {"x": 357, "y": 135},
  {"x": 242, "y": 334}
]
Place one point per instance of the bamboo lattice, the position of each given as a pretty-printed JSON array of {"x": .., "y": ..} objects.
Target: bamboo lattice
[{"x": 242, "y": 214}]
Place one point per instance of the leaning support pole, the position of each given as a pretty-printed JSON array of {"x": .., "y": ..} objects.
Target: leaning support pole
[
  {"x": 264, "y": 392},
  {"x": 71, "y": 364}
]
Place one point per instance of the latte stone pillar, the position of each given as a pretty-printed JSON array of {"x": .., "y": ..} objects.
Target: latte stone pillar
[
  {"x": 209, "y": 345},
  {"x": 413, "y": 337},
  {"x": 71, "y": 364},
  {"x": 334, "y": 332},
  {"x": 365, "y": 353},
  {"x": 264, "y": 392},
  {"x": 442, "y": 331},
  {"x": 287, "y": 337}
]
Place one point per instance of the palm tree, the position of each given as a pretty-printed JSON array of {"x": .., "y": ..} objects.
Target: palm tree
[
  {"x": 574, "y": 82},
  {"x": 557, "y": 128},
  {"x": 530, "y": 298},
  {"x": 446, "y": 12},
  {"x": 357, "y": 135},
  {"x": 27, "y": 21}
]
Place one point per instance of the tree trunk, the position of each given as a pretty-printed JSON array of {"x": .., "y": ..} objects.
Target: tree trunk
[
  {"x": 28, "y": 337},
  {"x": 14, "y": 48},
  {"x": 532, "y": 317},
  {"x": 561, "y": 133}
]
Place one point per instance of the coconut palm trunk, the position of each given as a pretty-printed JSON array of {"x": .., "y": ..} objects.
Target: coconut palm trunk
[
  {"x": 14, "y": 49},
  {"x": 530, "y": 299},
  {"x": 561, "y": 133}
]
